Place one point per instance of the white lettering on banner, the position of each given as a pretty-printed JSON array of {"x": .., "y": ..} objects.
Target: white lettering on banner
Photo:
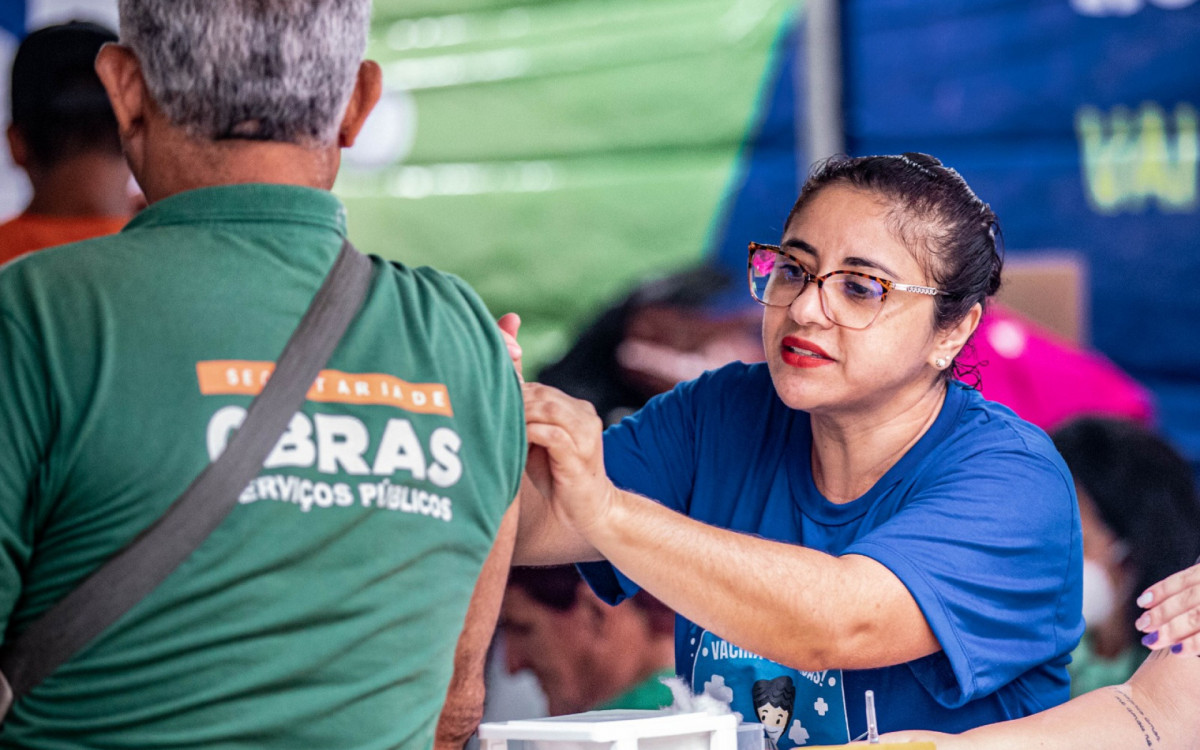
[
  {"x": 341, "y": 444},
  {"x": 1123, "y": 7}
]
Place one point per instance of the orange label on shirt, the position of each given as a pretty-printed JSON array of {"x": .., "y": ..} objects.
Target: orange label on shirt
[{"x": 245, "y": 377}]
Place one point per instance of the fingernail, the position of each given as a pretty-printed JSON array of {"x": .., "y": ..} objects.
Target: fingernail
[
  {"x": 514, "y": 351},
  {"x": 1150, "y": 639},
  {"x": 1142, "y": 623},
  {"x": 1145, "y": 599},
  {"x": 1177, "y": 648}
]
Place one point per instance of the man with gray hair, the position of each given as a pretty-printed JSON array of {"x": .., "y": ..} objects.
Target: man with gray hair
[{"x": 328, "y": 608}]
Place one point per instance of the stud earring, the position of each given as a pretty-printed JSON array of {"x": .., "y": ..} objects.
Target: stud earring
[{"x": 940, "y": 363}]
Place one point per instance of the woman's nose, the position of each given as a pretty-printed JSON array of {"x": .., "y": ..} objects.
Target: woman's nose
[{"x": 808, "y": 307}]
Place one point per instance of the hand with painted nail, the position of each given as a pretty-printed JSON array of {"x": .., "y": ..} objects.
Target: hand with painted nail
[
  {"x": 509, "y": 325},
  {"x": 1172, "y": 616}
]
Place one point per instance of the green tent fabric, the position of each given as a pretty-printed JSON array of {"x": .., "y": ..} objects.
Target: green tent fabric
[{"x": 554, "y": 153}]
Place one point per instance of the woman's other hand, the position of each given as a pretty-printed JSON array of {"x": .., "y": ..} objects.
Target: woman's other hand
[
  {"x": 509, "y": 325},
  {"x": 1172, "y": 616},
  {"x": 573, "y": 476}
]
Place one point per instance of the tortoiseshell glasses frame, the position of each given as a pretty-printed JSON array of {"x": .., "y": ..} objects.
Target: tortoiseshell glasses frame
[{"x": 857, "y": 307}]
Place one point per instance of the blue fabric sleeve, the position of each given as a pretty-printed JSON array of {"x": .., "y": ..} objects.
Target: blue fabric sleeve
[
  {"x": 991, "y": 551},
  {"x": 652, "y": 453}
]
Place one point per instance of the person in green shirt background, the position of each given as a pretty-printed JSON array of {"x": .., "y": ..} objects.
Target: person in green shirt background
[{"x": 586, "y": 654}]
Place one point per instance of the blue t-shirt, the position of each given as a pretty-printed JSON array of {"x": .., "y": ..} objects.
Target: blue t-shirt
[{"x": 978, "y": 520}]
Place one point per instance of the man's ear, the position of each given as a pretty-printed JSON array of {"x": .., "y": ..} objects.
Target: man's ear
[
  {"x": 368, "y": 87},
  {"x": 121, "y": 74},
  {"x": 18, "y": 147},
  {"x": 950, "y": 343}
]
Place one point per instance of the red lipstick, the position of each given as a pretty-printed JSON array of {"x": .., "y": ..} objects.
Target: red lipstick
[{"x": 800, "y": 353}]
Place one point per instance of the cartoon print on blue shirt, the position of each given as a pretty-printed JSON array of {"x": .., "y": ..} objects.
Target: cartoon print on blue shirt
[
  {"x": 773, "y": 701},
  {"x": 796, "y": 708}
]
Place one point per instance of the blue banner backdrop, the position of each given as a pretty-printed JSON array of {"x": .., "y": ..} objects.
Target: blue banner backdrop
[
  {"x": 1075, "y": 119},
  {"x": 1079, "y": 126}
]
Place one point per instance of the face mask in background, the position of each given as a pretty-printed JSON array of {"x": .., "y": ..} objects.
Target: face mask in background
[{"x": 1099, "y": 594}]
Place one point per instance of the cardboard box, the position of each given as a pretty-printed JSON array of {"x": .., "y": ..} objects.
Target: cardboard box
[{"x": 1051, "y": 289}]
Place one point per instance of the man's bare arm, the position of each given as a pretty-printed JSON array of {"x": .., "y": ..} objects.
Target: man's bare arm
[
  {"x": 464, "y": 700},
  {"x": 543, "y": 539}
]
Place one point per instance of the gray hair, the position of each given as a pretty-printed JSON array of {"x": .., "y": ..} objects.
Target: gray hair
[{"x": 268, "y": 70}]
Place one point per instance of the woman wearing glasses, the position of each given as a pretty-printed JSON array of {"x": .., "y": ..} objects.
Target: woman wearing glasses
[{"x": 847, "y": 516}]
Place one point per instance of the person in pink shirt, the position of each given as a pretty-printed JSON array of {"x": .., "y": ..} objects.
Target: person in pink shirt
[{"x": 1046, "y": 379}]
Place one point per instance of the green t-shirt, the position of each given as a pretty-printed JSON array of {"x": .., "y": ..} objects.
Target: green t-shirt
[
  {"x": 324, "y": 611},
  {"x": 650, "y": 694},
  {"x": 1090, "y": 671}
]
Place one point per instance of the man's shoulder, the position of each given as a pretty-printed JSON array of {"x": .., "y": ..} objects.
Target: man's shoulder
[
  {"x": 421, "y": 285},
  {"x": 424, "y": 276}
]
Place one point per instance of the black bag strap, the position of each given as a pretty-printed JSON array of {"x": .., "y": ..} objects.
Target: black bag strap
[{"x": 135, "y": 571}]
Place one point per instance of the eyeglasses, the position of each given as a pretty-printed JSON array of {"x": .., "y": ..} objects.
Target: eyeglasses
[{"x": 849, "y": 298}]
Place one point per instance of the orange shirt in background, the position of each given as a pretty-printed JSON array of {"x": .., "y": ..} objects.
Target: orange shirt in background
[{"x": 29, "y": 232}]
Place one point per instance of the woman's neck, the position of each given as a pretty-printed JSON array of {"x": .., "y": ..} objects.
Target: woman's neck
[{"x": 850, "y": 453}]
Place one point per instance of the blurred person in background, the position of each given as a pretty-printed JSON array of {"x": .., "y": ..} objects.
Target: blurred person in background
[
  {"x": 662, "y": 333},
  {"x": 586, "y": 654},
  {"x": 63, "y": 134},
  {"x": 1141, "y": 522},
  {"x": 1158, "y": 708},
  {"x": 347, "y": 600}
]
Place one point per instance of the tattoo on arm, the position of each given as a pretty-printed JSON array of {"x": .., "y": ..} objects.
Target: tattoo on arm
[{"x": 1135, "y": 711}]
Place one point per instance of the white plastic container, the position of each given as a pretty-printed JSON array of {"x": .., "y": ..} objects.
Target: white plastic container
[{"x": 614, "y": 730}]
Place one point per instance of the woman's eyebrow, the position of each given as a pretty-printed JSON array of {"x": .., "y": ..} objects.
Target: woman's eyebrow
[
  {"x": 800, "y": 245},
  {"x": 853, "y": 260},
  {"x": 867, "y": 263}
]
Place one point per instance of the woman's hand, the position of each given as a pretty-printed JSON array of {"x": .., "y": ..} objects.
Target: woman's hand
[
  {"x": 509, "y": 325},
  {"x": 572, "y": 477},
  {"x": 1172, "y": 617}
]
